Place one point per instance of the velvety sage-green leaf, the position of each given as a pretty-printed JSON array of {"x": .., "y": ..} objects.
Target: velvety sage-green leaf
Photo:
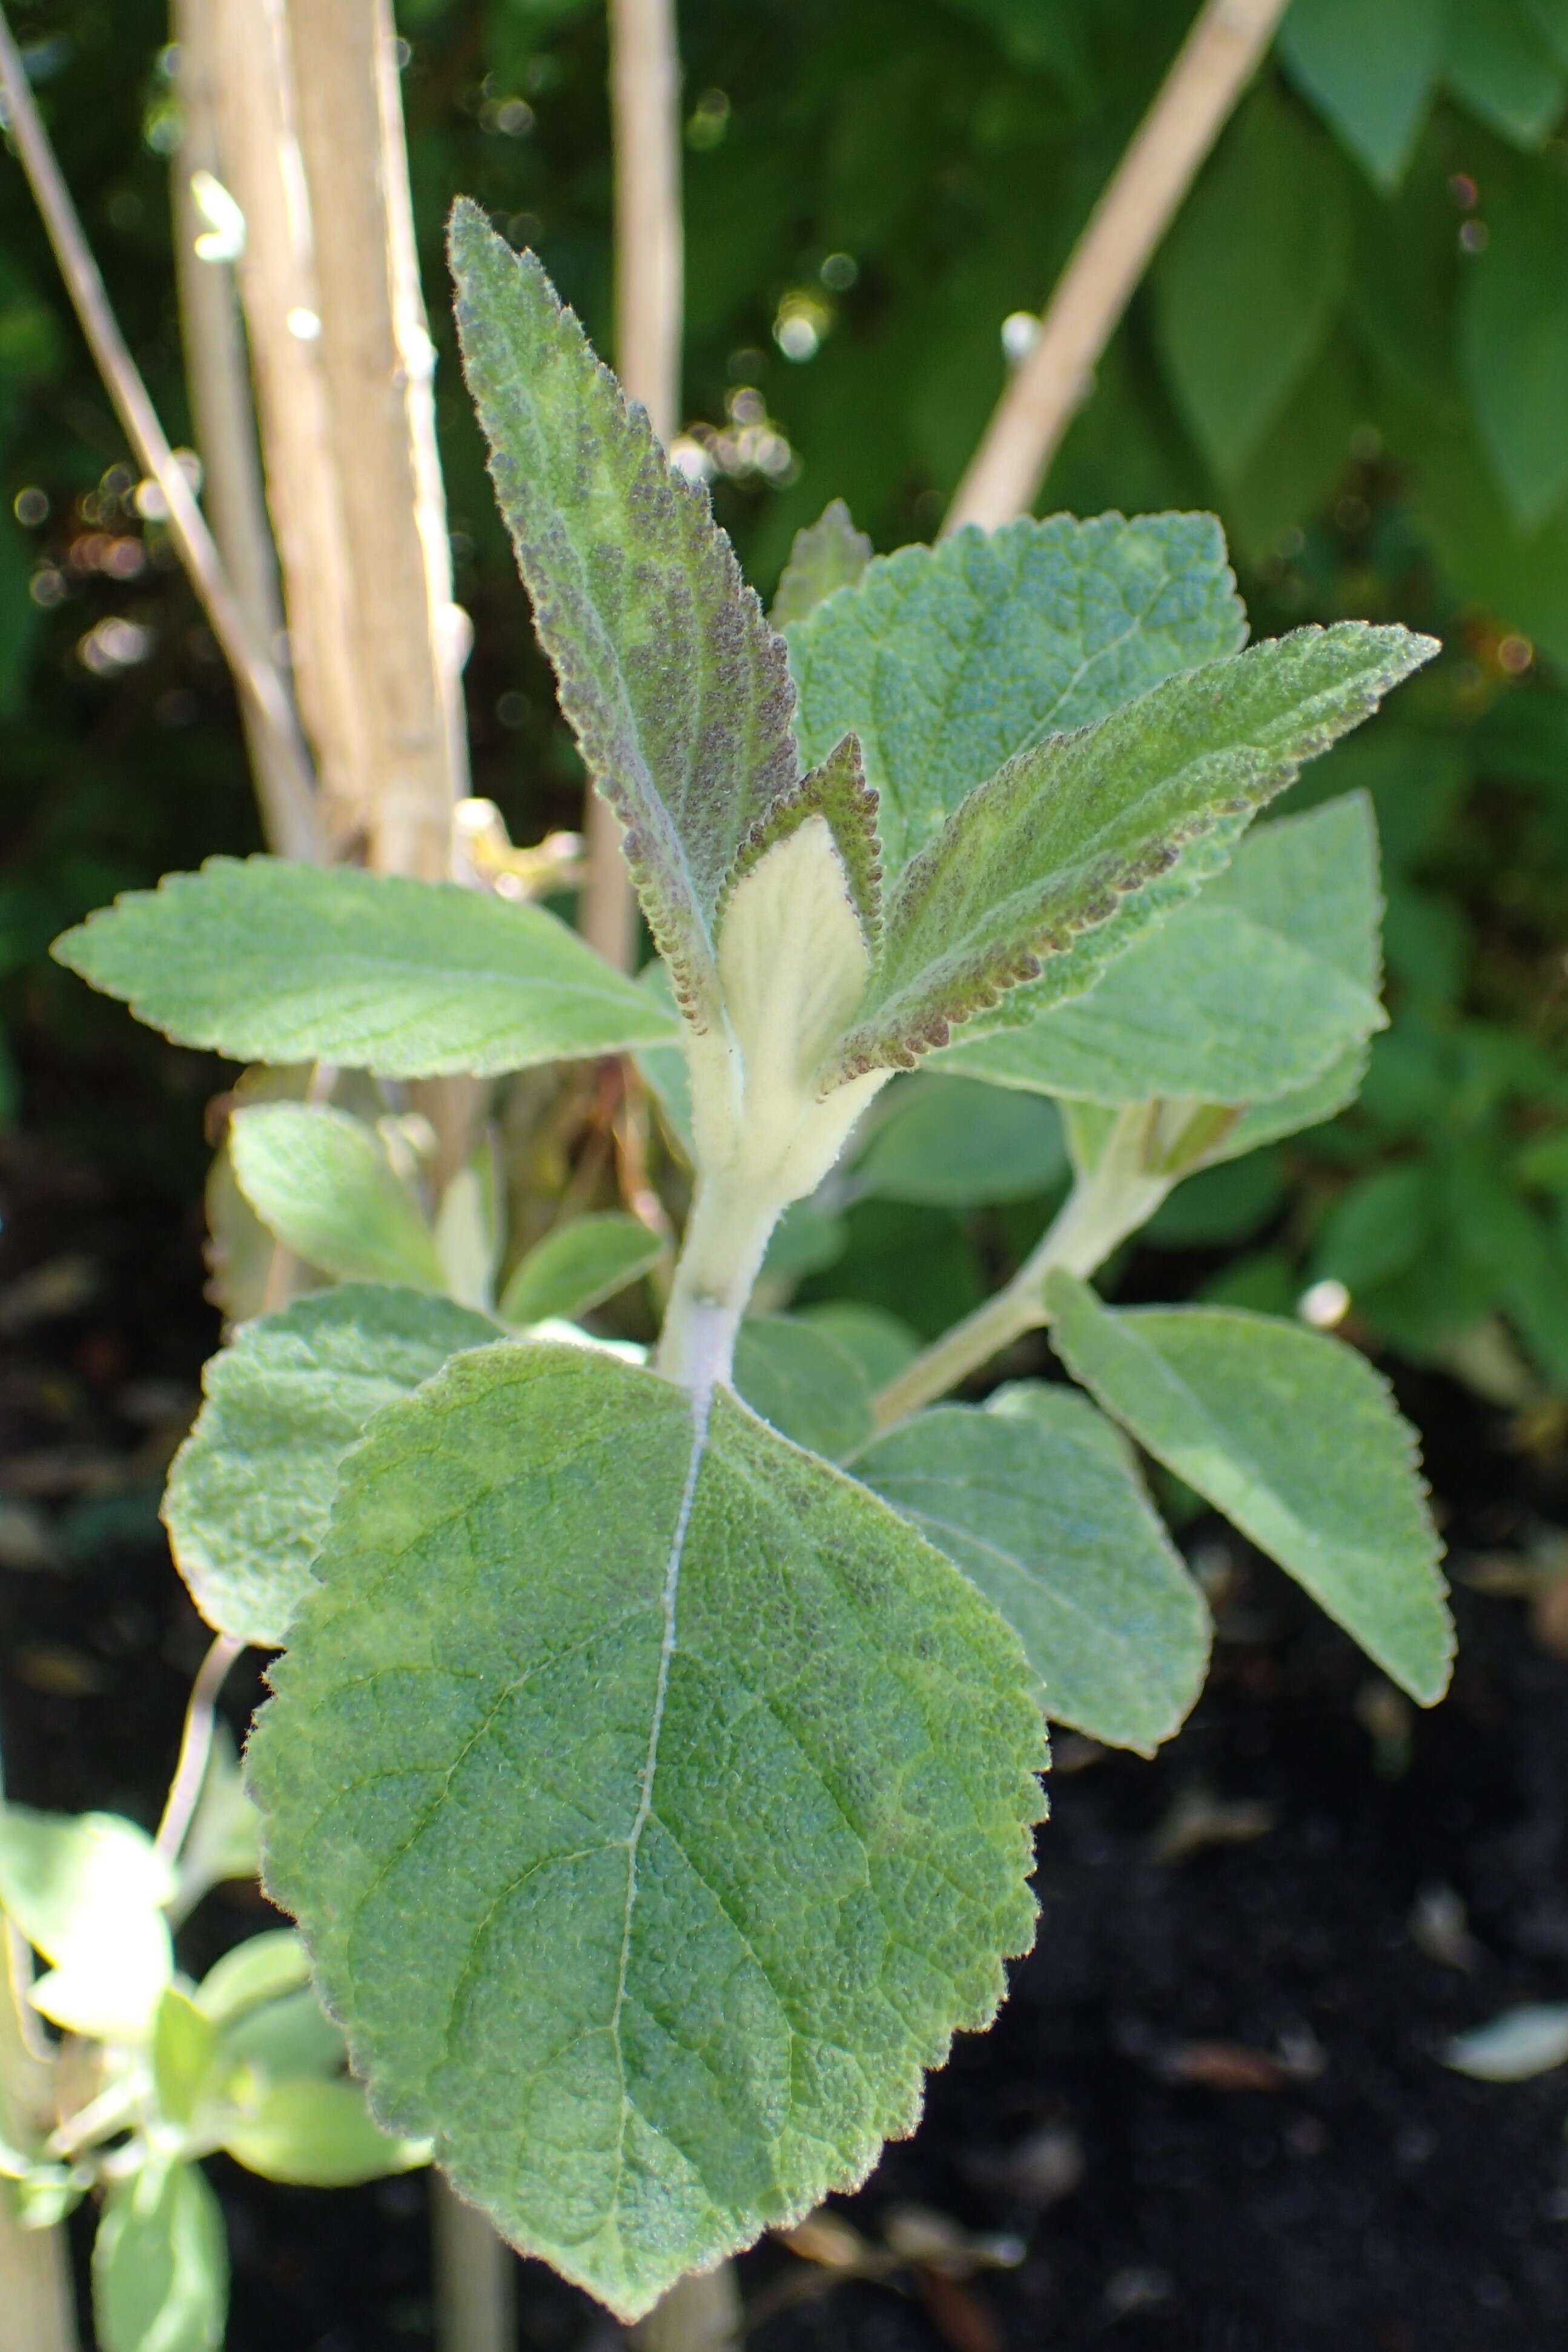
[
  {"x": 677, "y": 688},
  {"x": 1369, "y": 73},
  {"x": 958, "y": 1144},
  {"x": 1238, "y": 997},
  {"x": 268, "y": 962},
  {"x": 160, "y": 2264},
  {"x": 1241, "y": 313},
  {"x": 87, "y": 1890},
  {"x": 1037, "y": 1497},
  {"x": 578, "y": 1266},
  {"x": 317, "y": 2133},
  {"x": 321, "y": 1180},
  {"x": 250, "y": 1489},
  {"x": 828, "y": 553},
  {"x": 288, "y": 2037},
  {"x": 1513, "y": 339},
  {"x": 654, "y": 1809},
  {"x": 1314, "y": 879},
  {"x": 263, "y": 1969},
  {"x": 837, "y": 792},
  {"x": 1502, "y": 62},
  {"x": 1050, "y": 847},
  {"x": 804, "y": 1383},
  {"x": 880, "y": 1343},
  {"x": 948, "y": 661},
  {"x": 1294, "y": 1438}
]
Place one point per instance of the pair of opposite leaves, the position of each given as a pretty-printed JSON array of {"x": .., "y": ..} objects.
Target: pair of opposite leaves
[{"x": 651, "y": 1874}]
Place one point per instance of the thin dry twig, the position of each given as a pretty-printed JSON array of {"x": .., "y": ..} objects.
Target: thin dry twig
[
  {"x": 1196, "y": 97},
  {"x": 253, "y": 670},
  {"x": 195, "y": 1745},
  {"x": 644, "y": 102}
]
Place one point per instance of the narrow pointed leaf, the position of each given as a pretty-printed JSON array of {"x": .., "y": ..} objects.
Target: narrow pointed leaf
[
  {"x": 948, "y": 661},
  {"x": 837, "y": 792},
  {"x": 828, "y": 553},
  {"x": 578, "y": 1266},
  {"x": 654, "y": 1809},
  {"x": 250, "y": 1489},
  {"x": 1369, "y": 73},
  {"x": 1052, "y": 847},
  {"x": 675, "y": 686},
  {"x": 1294, "y": 1438},
  {"x": 322, "y": 1181},
  {"x": 1036, "y": 1496},
  {"x": 160, "y": 2264},
  {"x": 268, "y": 962},
  {"x": 1241, "y": 996}
]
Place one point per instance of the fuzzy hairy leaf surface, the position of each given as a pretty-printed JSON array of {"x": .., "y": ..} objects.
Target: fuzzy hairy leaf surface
[
  {"x": 1314, "y": 879},
  {"x": 251, "y": 1487},
  {"x": 270, "y": 962},
  {"x": 654, "y": 1809},
  {"x": 1240, "y": 996},
  {"x": 1036, "y": 1495},
  {"x": 1295, "y": 1438},
  {"x": 828, "y": 553},
  {"x": 1051, "y": 846},
  {"x": 677, "y": 688},
  {"x": 948, "y": 661}
]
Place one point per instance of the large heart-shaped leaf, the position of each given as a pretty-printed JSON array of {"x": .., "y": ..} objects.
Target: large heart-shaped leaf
[{"x": 654, "y": 1803}]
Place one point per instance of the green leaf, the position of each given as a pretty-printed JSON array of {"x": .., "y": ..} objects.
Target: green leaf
[
  {"x": 185, "y": 2052},
  {"x": 1502, "y": 63},
  {"x": 1369, "y": 73},
  {"x": 880, "y": 1344},
  {"x": 283, "y": 2038},
  {"x": 267, "y": 961},
  {"x": 1058, "y": 841},
  {"x": 654, "y": 1805},
  {"x": 250, "y": 1489},
  {"x": 1247, "y": 284},
  {"x": 830, "y": 553},
  {"x": 677, "y": 690},
  {"x": 87, "y": 1890},
  {"x": 263, "y": 1969},
  {"x": 160, "y": 2264},
  {"x": 664, "y": 1068},
  {"x": 1513, "y": 339},
  {"x": 1037, "y": 1497},
  {"x": 957, "y": 1145},
  {"x": 1237, "y": 997},
  {"x": 322, "y": 1183},
  {"x": 1293, "y": 1436},
  {"x": 317, "y": 2133},
  {"x": 804, "y": 1383},
  {"x": 947, "y": 661},
  {"x": 578, "y": 1266}
]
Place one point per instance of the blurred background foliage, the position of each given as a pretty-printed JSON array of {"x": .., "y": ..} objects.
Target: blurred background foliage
[{"x": 1354, "y": 346}]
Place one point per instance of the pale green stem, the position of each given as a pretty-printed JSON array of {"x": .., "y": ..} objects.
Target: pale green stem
[
  {"x": 38, "y": 2308},
  {"x": 722, "y": 1251},
  {"x": 1101, "y": 1210}
]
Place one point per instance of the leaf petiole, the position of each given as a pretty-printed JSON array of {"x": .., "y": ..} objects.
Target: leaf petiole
[{"x": 1128, "y": 1182}]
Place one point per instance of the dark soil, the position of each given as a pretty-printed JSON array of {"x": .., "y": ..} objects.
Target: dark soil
[{"x": 1212, "y": 2116}]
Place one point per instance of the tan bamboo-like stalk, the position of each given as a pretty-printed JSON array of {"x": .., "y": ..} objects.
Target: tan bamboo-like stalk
[
  {"x": 260, "y": 166},
  {"x": 646, "y": 123},
  {"x": 218, "y": 375},
  {"x": 377, "y": 369},
  {"x": 1191, "y": 107},
  {"x": 250, "y": 662}
]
